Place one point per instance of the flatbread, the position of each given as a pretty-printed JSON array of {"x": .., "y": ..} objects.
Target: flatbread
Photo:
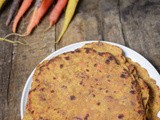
[
  {"x": 118, "y": 53},
  {"x": 154, "y": 98},
  {"x": 84, "y": 85}
]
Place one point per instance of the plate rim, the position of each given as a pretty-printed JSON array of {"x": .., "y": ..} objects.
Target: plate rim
[{"x": 74, "y": 46}]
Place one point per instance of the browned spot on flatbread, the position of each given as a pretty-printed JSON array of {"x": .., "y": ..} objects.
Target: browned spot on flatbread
[
  {"x": 120, "y": 116},
  {"x": 61, "y": 66},
  {"x": 86, "y": 117},
  {"x": 67, "y": 58},
  {"x": 72, "y": 97}
]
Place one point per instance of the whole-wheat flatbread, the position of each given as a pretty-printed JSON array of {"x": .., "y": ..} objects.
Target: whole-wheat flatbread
[{"x": 84, "y": 85}]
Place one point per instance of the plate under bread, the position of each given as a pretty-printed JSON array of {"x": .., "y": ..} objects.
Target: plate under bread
[{"x": 136, "y": 57}]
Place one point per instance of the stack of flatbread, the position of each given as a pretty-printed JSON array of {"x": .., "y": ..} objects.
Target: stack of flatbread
[{"x": 95, "y": 82}]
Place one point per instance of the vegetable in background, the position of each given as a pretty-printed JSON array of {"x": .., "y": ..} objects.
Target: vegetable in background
[
  {"x": 38, "y": 14},
  {"x": 71, "y": 7},
  {"x": 24, "y": 7},
  {"x": 56, "y": 12},
  {"x": 14, "y": 8},
  {"x": 2, "y": 3},
  {"x": 41, "y": 7}
]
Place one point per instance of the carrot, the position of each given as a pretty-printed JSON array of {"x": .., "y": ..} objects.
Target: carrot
[
  {"x": 56, "y": 12},
  {"x": 1, "y": 3},
  {"x": 12, "y": 11},
  {"x": 38, "y": 3},
  {"x": 38, "y": 14},
  {"x": 71, "y": 7},
  {"x": 24, "y": 7}
]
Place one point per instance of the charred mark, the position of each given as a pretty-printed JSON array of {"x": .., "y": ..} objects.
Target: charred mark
[
  {"x": 124, "y": 74},
  {"x": 32, "y": 90},
  {"x": 87, "y": 51},
  {"x": 110, "y": 58},
  {"x": 61, "y": 66},
  {"x": 132, "y": 91},
  {"x": 32, "y": 112},
  {"x": 67, "y": 58},
  {"x": 42, "y": 89},
  {"x": 95, "y": 65},
  {"x": 72, "y": 97},
  {"x": 101, "y": 54},
  {"x": 77, "y": 50},
  {"x": 81, "y": 83},
  {"x": 37, "y": 80},
  {"x": 98, "y": 103},
  {"x": 107, "y": 61},
  {"x": 106, "y": 91},
  {"x": 87, "y": 70},
  {"x": 72, "y": 52},
  {"x": 52, "y": 91},
  {"x": 141, "y": 112},
  {"x": 133, "y": 82},
  {"x": 100, "y": 88},
  {"x": 86, "y": 117},
  {"x": 120, "y": 116}
]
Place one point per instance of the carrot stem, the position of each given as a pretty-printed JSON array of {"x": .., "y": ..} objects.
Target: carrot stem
[
  {"x": 13, "y": 42},
  {"x": 16, "y": 34}
]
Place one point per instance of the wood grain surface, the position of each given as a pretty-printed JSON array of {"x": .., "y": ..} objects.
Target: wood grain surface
[{"x": 133, "y": 23}]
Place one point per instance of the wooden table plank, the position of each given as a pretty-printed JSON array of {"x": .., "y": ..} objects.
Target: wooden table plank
[
  {"x": 112, "y": 30},
  {"x": 5, "y": 68},
  {"x": 24, "y": 60},
  {"x": 141, "y": 26}
]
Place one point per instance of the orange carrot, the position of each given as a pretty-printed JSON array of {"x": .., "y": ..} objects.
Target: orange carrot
[
  {"x": 56, "y": 12},
  {"x": 38, "y": 14},
  {"x": 24, "y": 7}
]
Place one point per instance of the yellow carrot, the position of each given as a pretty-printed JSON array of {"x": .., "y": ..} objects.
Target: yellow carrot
[
  {"x": 71, "y": 7},
  {"x": 1, "y": 3}
]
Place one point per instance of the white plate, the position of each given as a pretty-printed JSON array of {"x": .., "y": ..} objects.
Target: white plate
[{"x": 136, "y": 57}]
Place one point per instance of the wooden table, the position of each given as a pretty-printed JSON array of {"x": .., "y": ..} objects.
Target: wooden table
[{"x": 133, "y": 23}]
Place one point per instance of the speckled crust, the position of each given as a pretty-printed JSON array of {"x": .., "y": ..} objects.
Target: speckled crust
[
  {"x": 118, "y": 53},
  {"x": 154, "y": 98},
  {"x": 150, "y": 91},
  {"x": 84, "y": 85}
]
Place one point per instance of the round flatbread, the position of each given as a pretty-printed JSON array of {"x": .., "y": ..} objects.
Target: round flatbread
[{"x": 84, "y": 85}]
